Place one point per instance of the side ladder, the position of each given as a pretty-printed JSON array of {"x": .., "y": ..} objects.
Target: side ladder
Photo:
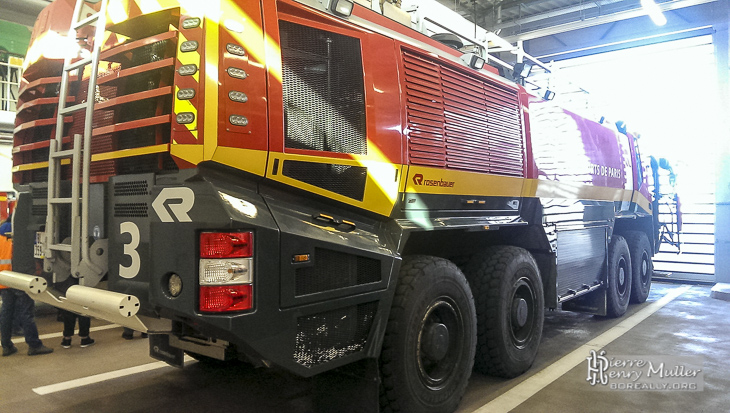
[{"x": 76, "y": 250}]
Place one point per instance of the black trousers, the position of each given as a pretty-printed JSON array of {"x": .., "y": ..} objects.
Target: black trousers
[{"x": 69, "y": 323}]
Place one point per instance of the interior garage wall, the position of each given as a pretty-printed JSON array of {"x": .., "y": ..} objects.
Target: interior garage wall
[{"x": 721, "y": 40}]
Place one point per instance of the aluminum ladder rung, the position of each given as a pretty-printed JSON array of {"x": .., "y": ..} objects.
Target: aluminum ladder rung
[
  {"x": 75, "y": 65},
  {"x": 79, "y": 153},
  {"x": 68, "y": 153},
  {"x": 87, "y": 21},
  {"x": 60, "y": 200},
  {"x": 60, "y": 247},
  {"x": 72, "y": 109}
]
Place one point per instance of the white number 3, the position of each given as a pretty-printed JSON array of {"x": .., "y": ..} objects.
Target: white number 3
[{"x": 130, "y": 249}]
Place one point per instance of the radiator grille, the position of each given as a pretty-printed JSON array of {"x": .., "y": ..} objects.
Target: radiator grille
[
  {"x": 40, "y": 201},
  {"x": 345, "y": 180},
  {"x": 333, "y": 270},
  {"x": 461, "y": 122},
  {"x": 333, "y": 334},
  {"x": 130, "y": 210},
  {"x": 324, "y": 98},
  {"x": 130, "y": 188}
]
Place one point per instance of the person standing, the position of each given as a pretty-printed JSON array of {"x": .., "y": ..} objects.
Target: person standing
[
  {"x": 69, "y": 320},
  {"x": 128, "y": 334},
  {"x": 16, "y": 303},
  {"x": 69, "y": 323}
]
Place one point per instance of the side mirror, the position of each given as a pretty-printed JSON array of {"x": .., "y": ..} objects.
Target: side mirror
[
  {"x": 473, "y": 61},
  {"x": 521, "y": 70}
]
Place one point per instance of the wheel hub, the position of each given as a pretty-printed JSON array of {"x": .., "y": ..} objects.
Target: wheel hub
[
  {"x": 436, "y": 341},
  {"x": 621, "y": 276},
  {"x": 521, "y": 316},
  {"x": 519, "y": 312},
  {"x": 440, "y": 343}
]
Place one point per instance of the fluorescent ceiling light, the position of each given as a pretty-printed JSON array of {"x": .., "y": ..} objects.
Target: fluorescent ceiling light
[{"x": 654, "y": 12}]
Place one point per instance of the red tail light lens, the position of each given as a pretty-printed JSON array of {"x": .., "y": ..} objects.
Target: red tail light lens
[
  {"x": 225, "y": 298},
  {"x": 226, "y": 244}
]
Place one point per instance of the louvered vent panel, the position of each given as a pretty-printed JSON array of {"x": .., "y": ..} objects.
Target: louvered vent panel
[
  {"x": 461, "y": 122},
  {"x": 425, "y": 111}
]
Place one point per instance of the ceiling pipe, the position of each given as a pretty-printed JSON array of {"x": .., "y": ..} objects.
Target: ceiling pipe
[
  {"x": 608, "y": 18},
  {"x": 554, "y": 13}
]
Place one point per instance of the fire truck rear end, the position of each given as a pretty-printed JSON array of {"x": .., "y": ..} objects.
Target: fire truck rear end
[{"x": 306, "y": 184}]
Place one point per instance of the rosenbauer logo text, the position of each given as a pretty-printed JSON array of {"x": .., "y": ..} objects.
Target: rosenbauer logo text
[{"x": 418, "y": 180}]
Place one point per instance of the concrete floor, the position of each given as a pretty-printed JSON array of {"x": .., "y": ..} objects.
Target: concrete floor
[{"x": 692, "y": 324}]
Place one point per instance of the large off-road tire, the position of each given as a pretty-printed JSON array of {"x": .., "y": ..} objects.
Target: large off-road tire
[
  {"x": 428, "y": 351},
  {"x": 619, "y": 277},
  {"x": 510, "y": 305},
  {"x": 642, "y": 268}
]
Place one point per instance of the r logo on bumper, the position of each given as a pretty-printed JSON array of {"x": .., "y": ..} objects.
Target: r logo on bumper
[{"x": 186, "y": 199}]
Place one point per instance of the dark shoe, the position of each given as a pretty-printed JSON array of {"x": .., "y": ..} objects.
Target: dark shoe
[
  {"x": 39, "y": 350},
  {"x": 9, "y": 351},
  {"x": 66, "y": 343},
  {"x": 127, "y": 336},
  {"x": 86, "y": 342}
]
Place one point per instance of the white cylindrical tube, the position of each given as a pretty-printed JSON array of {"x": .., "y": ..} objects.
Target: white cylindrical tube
[
  {"x": 28, "y": 283},
  {"x": 104, "y": 301}
]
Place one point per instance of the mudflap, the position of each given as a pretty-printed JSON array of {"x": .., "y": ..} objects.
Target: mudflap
[
  {"x": 160, "y": 349},
  {"x": 356, "y": 385},
  {"x": 591, "y": 303}
]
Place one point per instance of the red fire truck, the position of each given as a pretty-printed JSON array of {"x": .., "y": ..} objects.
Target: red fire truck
[{"x": 305, "y": 184}]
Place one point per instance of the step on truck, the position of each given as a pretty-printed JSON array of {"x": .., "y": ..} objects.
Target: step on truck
[{"x": 304, "y": 184}]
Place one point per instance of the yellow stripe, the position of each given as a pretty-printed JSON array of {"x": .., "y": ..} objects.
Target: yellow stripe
[
  {"x": 479, "y": 184},
  {"x": 248, "y": 160},
  {"x": 642, "y": 201},
  {"x": 464, "y": 183},
  {"x": 117, "y": 10},
  {"x": 126, "y": 153},
  {"x": 560, "y": 190},
  {"x": 37, "y": 165},
  {"x": 188, "y": 153},
  {"x": 269, "y": 53},
  {"x": 187, "y": 106},
  {"x": 210, "y": 134},
  {"x": 188, "y": 58}
]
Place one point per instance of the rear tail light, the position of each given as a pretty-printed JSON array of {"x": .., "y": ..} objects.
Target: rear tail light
[
  {"x": 219, "y": 299},
  {"x": 225, "y": 244},
  {"x": 226, "y": 271}
]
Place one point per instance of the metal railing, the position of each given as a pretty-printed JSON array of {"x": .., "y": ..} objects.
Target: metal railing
[{"x": 11, "y": 72}]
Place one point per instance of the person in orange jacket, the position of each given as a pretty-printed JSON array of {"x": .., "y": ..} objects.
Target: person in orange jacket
[{"x": 16, "y": 302}]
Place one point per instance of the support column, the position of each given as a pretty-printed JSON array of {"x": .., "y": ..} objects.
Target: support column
[{"x": 721, "y": 41}]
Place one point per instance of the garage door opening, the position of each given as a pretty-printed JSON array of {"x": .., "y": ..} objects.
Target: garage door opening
[{"x": 665, "y": 92}]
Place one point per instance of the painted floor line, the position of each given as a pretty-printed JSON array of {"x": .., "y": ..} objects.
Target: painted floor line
[
  {"x": 98, "y": 378},
  {"x": 60, "y": 334},
  {"x": 528, "y": 388}
]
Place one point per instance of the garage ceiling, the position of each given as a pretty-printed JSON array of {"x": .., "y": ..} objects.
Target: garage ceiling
[
  {"x": 530, "y": 19},
  {"x": 515, "y": 19},
  {"x": 22, "y": 11}
]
